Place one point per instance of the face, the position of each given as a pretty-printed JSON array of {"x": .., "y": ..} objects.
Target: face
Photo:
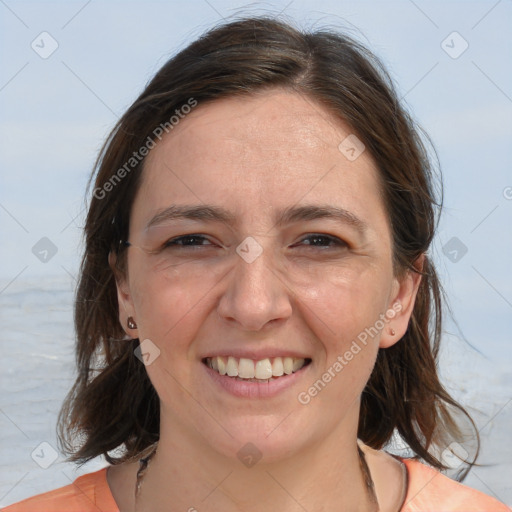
[{"x": 255, "y": 238}]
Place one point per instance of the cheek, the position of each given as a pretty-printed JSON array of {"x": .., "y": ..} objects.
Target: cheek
[
  {"x": 342, "y": 310},
  {"x": 352, "y": 369},
  {"x": 170, "y": 303},
  {"x": 343, "y": 302}
]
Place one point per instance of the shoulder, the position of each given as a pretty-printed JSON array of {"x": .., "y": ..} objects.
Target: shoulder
[
  {"x": 88, "y": 493},
  {"x": 429, "y": 490}
]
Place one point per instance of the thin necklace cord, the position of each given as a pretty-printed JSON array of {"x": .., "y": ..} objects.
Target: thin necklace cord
[{"x": 144, "y": 463}]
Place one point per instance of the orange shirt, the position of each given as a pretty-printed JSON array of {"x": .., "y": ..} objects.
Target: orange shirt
[{"x": 428, "y": 491}]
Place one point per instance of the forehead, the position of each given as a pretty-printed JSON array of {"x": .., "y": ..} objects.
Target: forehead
[{"x": 260, "y": 151}]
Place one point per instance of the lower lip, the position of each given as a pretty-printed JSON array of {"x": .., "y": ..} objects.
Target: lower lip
[{"x": 243, "y": 389}]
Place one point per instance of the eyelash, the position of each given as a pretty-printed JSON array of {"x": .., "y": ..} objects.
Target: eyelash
[
  {"x": 337, "y": 242},
  {"x": 172, "y": 242}
]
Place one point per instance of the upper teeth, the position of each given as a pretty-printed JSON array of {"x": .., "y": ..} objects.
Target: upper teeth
[{"x": 249, "y": 369}]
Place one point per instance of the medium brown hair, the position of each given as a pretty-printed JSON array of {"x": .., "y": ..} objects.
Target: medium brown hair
[{"x": 113, "y": 405}]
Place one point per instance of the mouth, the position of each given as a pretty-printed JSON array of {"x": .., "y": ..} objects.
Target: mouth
[{"x": 260, "y": 371}]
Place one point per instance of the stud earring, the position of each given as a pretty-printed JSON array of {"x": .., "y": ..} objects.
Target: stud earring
[
  {"x": 131, "y": 323},
  {"x": 392, "y": 332}
]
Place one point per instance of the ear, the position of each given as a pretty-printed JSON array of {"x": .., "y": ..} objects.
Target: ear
[
  {"x": 401, "y": 305},
  {"x": 124, "y": 298}
]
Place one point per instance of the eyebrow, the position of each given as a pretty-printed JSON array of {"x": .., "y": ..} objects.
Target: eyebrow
[
  {"x": 200, "y": 212},
  {"x": 289, "y": 215},
  {"x": 313, "y": 212}
]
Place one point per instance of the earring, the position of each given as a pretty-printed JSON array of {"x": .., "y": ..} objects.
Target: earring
[
  {"x": 392, "y": 332},
  {"x": 131, "y": 323}
]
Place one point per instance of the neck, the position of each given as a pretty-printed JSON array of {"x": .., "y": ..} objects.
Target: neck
[{"x": 184, "y": 473}]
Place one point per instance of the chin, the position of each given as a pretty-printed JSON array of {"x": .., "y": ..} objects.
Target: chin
[{"x": 261, "y": 440}]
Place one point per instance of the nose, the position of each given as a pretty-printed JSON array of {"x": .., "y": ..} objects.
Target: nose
[{"x": 255, "y": 295}]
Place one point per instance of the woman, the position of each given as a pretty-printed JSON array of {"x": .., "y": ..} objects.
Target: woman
[{"x": 257, "y": 314}]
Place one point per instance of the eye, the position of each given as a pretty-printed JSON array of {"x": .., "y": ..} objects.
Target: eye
[
  {"x": 323, "y": 241},
  {"x": 192, "y": 240}
]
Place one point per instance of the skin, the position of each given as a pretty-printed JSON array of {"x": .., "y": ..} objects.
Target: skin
[{"x": 254, "y": 156}]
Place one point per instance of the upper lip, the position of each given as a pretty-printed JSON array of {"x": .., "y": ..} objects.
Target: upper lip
[{"x": 257, "y": 355}]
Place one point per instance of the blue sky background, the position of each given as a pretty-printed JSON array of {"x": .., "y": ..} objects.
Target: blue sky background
[{"x": 56, "y": 112}]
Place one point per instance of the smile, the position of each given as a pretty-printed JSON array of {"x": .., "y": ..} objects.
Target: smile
[
  {"x": 262, "y": 370},
  {"x": 249, "y": 378}
]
